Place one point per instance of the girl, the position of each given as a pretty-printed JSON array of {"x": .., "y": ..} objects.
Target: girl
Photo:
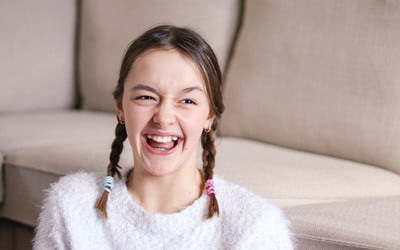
[{"x": 168, "y": 101}]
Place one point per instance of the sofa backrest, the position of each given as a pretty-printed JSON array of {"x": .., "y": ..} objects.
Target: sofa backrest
[
  {"x": 109, "y": 26},
  {"x": 37, "y": 55},
  {"x": 320, "y": 76}
]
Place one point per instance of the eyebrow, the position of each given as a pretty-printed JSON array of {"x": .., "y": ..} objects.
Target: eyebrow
[
  {"x": 143, "y": 87},
  {"x": 148, "y": 88},
  {"x": 190, "y": 89}
]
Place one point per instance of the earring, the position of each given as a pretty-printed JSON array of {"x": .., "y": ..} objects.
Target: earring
[{"x": 207, "y": 130}]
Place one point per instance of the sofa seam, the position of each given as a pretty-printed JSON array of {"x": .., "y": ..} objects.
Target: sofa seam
[
  {"x": 235, "y": 39},
  {"x": 35, "y": 169}
]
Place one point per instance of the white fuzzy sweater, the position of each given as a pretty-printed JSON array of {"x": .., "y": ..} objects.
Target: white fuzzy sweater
[{"x": 70, "y": 221}]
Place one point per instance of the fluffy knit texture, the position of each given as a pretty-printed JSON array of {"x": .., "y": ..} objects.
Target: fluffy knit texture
[{"x": 69, "y": 220}]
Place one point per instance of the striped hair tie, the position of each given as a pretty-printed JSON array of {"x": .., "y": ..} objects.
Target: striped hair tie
[
  {"x": 210, "y": 188},
  {"x": 108, "y": 183}
]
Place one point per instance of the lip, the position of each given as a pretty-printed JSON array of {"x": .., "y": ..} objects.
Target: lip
[{"x": 161, "y": 152}]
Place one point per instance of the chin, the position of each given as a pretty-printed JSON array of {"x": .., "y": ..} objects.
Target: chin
[{"x": 160, "y": 171}]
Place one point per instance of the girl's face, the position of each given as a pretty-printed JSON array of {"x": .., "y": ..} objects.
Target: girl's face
[{"x": 165, "y": 109}]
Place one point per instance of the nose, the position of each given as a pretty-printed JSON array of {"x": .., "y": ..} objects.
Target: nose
[{"x": 164, "y": 115}]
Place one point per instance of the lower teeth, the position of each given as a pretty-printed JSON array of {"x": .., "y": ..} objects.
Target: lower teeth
[{"x": 162, "y": 149}]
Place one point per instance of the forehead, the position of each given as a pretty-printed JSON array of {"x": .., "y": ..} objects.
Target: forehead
[{"x": 165, "y": 65}]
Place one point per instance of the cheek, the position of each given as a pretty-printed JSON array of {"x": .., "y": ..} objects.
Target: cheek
[
  {"x": 195, "y": 121},
  {"x": 135, "y": 120},
  {"x": 135, "y": 113}
]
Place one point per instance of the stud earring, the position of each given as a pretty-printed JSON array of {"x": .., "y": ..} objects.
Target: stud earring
[{"x": 207, "y": 130}]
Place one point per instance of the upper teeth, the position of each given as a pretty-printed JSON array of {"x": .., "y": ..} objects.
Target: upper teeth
[{"x": 163, "y": 139}]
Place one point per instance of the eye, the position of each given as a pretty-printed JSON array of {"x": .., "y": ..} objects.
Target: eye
[
  {"x": 188, "y": 101},
  {"x": 144, "y": 97}
]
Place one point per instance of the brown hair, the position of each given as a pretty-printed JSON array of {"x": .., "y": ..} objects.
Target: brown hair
[{"x": 193, "y": 46}]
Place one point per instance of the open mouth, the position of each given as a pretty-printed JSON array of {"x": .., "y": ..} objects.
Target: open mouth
[{"x": 162, "y": 143}]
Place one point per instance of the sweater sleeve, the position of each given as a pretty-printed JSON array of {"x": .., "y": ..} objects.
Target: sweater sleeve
[{"x": 51, "y": 232}]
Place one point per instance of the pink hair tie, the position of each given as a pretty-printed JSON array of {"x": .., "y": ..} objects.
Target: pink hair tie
[{"x": 210, "y": 188}]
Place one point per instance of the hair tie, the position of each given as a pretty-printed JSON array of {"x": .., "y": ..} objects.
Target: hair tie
[
  {"x": 210, "y": 188},
  {"x": 108, "y": 183}
]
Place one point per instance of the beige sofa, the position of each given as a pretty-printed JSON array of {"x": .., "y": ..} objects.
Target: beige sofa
[{"x": 312, "y": 90}]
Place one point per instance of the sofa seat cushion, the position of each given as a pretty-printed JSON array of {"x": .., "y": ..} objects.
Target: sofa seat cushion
[
  {"x": 364, "y": 224},
  {"x": 36, "y": 167},
  {"x": 292, "y": 178},
  {"x": 287, "y": 177},
  {"x": 25, "y": 130},
  {"x": 40, "y": 147}
]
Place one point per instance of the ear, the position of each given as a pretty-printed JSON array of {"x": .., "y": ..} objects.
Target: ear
[
  {"x": 209, "y": 121},
  {"x": 120, "y": 111}
]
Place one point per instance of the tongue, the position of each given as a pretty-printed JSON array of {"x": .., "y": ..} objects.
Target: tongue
[{"x": 161, "y": 145}]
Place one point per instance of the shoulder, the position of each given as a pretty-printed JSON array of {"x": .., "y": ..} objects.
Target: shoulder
[
  {"x": 71, "y": 195},
  {"x": 73, "y": 190},
  {"x": 75, "y": 184},
  {"x": 252, "y": 218}
]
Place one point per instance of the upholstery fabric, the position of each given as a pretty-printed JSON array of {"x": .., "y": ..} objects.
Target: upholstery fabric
[
  {"x": 37, "y": 55},
  {"x": 39, "y": 166},
  {"x": 64, "y": 158},
  {"x": 364, "y": 224},
  {"x": 103, "y": 45},
  {"x": 327, "y": 84},
  {"x": 292, "y": 178},
  {"x": 40, "y": 147},
  {"x": 313, "y": 178},
  {"x": 24, "y": 130}
]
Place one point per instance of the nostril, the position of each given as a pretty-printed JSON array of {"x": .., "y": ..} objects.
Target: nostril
[{"x": 164, "y": 118}]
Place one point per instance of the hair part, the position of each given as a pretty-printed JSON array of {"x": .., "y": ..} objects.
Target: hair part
[{"x": 193, "y": 46}]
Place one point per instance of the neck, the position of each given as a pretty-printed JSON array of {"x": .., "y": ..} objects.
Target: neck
[{"x": 165, "y": 194}]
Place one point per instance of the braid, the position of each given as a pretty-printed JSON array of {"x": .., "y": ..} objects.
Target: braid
[
  {"x": 209, "y": 152},
  {"x": 113, "y": 167},
  {"x": 116, "y": 149}
]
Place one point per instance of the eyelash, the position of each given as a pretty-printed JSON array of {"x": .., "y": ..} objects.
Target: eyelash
[
  {"x": 189, "y": 101},
  {"x": 145, "y": 97}
]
